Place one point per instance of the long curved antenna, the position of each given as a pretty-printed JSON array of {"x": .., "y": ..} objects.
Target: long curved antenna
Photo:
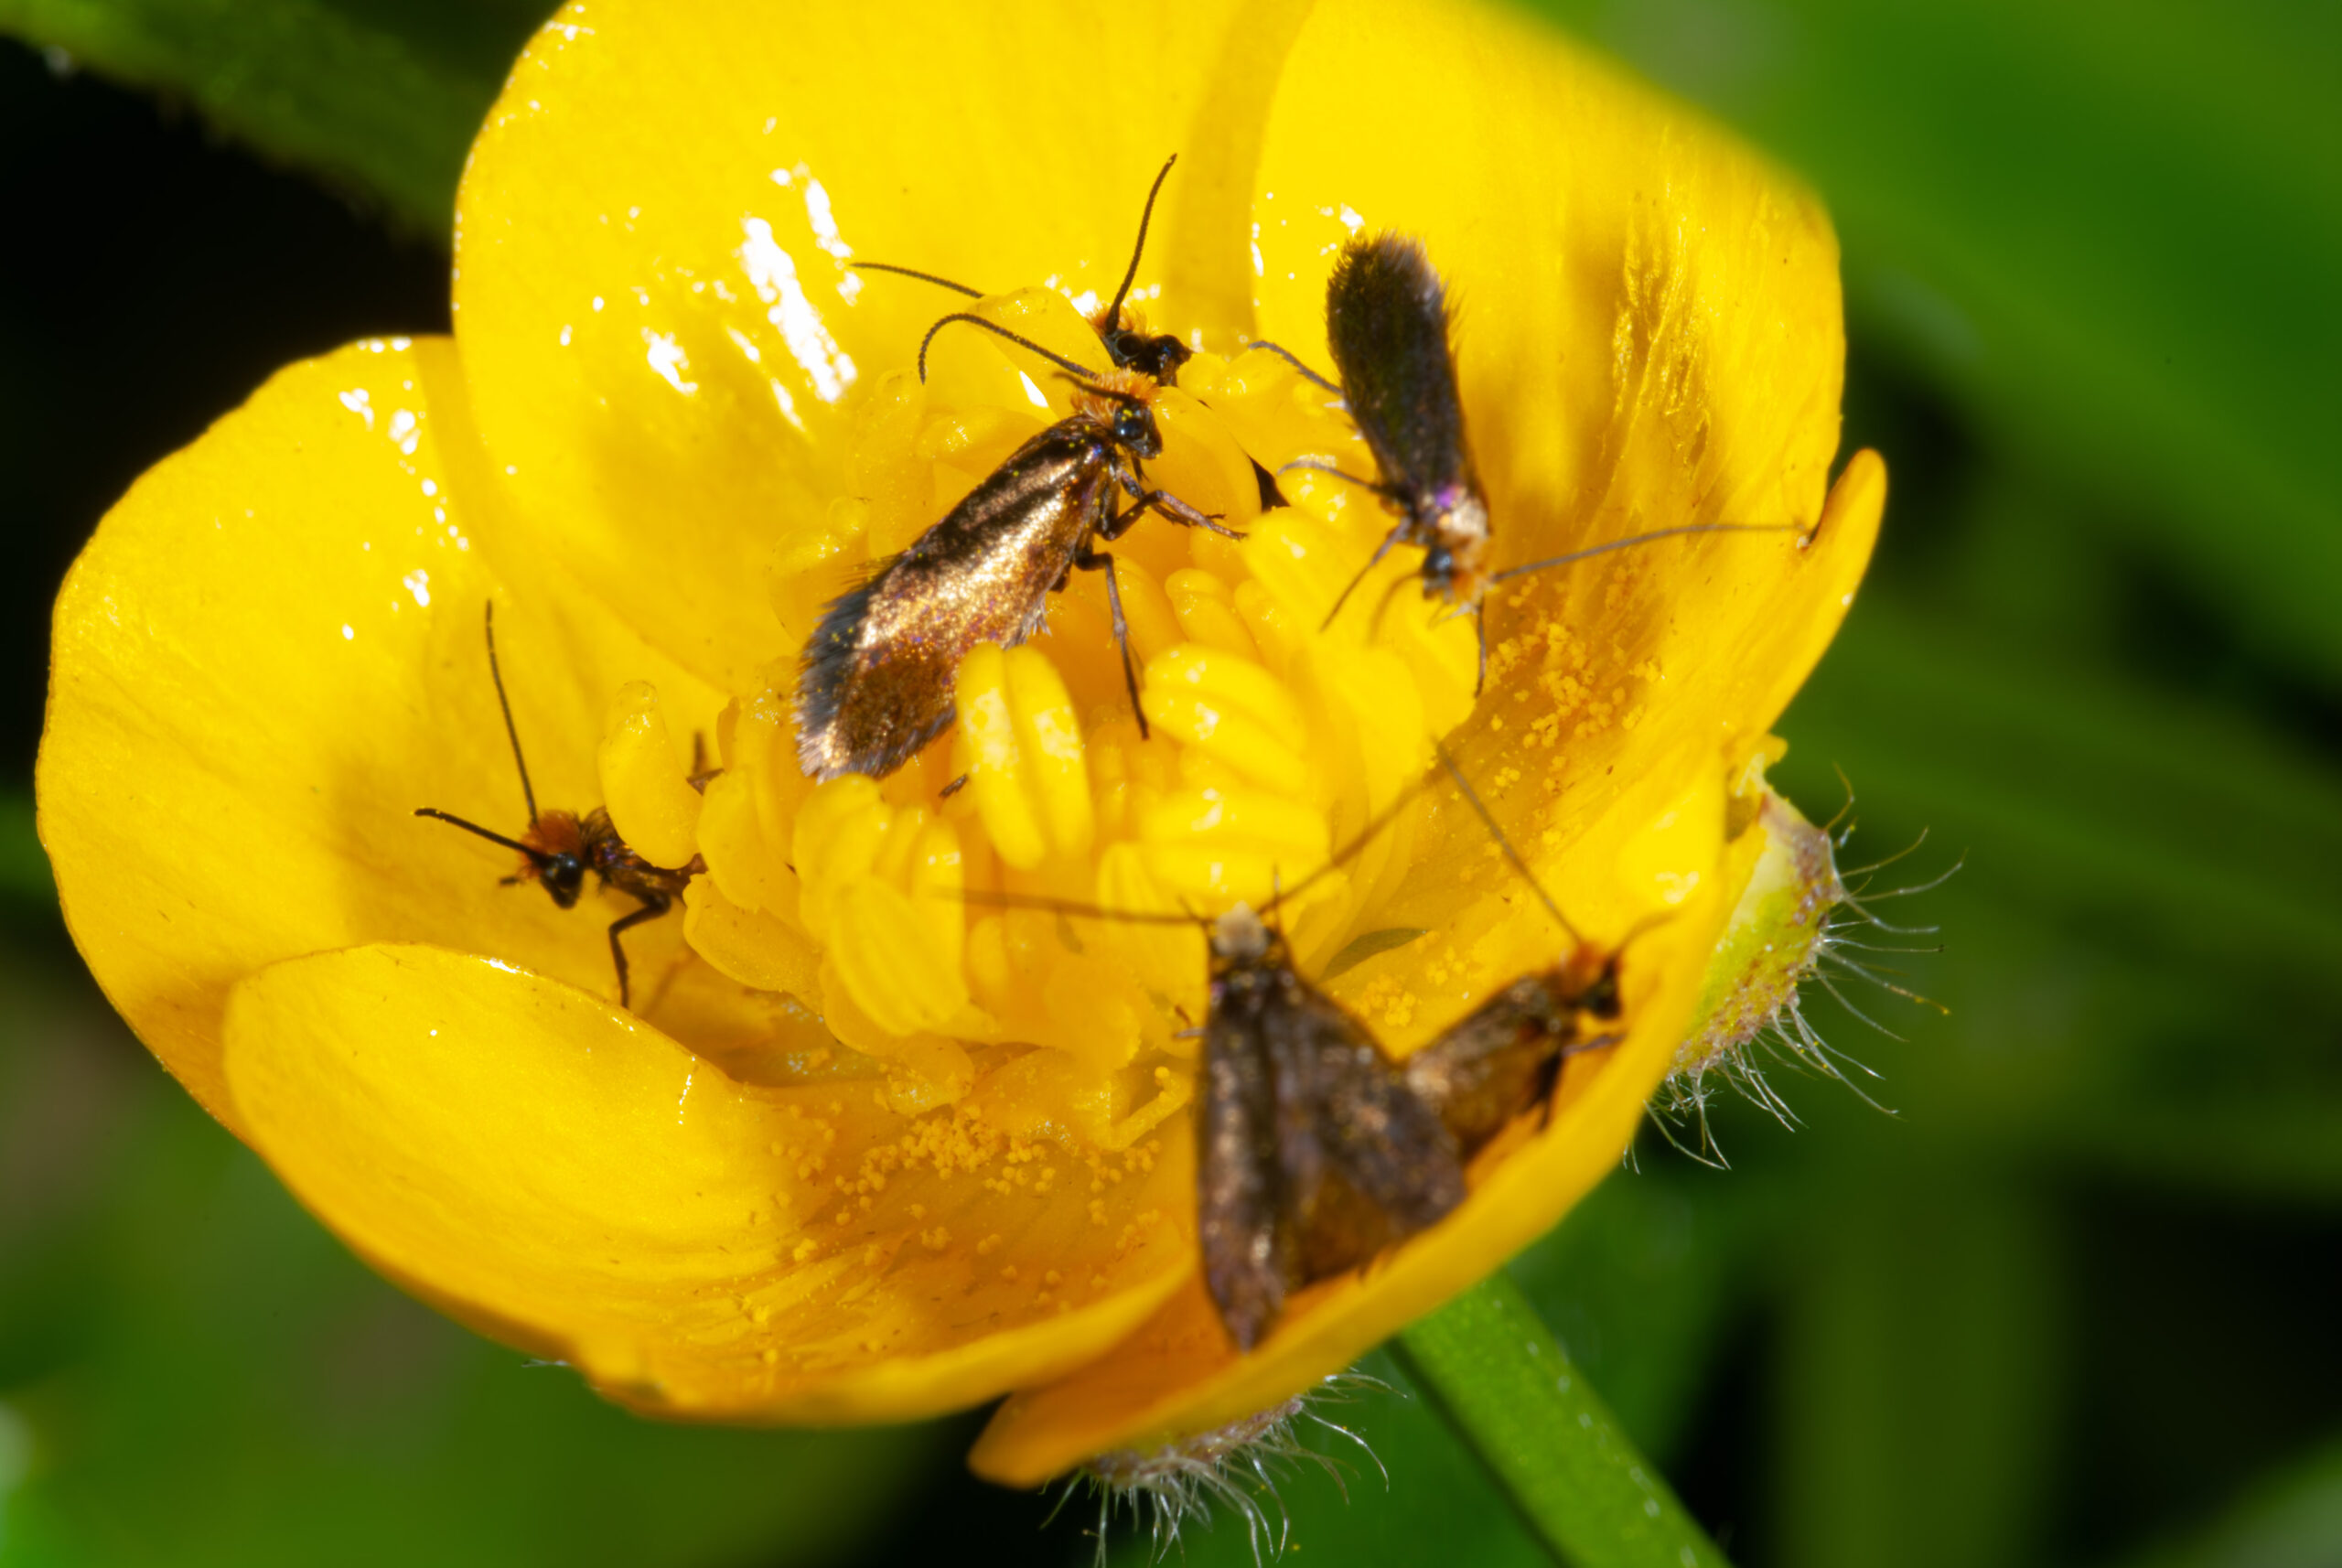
[
  {"x": 1505, "y": 844},
  {"x": 496, "y": 673},
  {"x": 536, "y": 856},
  {"x": 1373, "y": 561},
  {"x": 1342, "y": 857},
  {"x": 1157, "y": 917},
  {"x": 915, "y": 273},
  {"x": 1290, "y": 357},
  {"x": 1074, "y": 907},
  {"x": 1051, "y": 355},
  {"x": 1114, "y": 311},
  {"x": 1592, "y": 549}
]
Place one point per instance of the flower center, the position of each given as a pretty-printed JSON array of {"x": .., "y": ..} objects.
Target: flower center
[{"x": 905, "y": 910}]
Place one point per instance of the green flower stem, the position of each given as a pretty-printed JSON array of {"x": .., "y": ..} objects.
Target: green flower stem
[{"x": 1489, "y": 1364}]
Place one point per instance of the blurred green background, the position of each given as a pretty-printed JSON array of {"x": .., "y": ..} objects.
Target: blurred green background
[{"x": 2074, "y": 1303}]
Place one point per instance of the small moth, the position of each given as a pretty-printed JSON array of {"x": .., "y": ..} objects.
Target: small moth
[
  {"x": 1506, "y": 1057},
  {"x": 1313, "y": 1151},
  {"x": 1388, "y": 325},
  {"x": 874, "y": 681},
  {"x": 560, "y": 847}
]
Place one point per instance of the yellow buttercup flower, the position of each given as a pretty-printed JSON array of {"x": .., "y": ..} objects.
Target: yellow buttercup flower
[{"x": 877, "y": 1143}]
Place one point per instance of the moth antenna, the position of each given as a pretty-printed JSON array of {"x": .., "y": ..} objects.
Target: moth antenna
[
  {"x": 1604, "y": 548},
  {"x": 496, "y": 673},
  {"x": 1373, "y": 561},
  {"x": 1290, "y": 357},
  {"x": 1342, "y": 857},
  {"x": 915, "y": 273},
  {"x": 536, "y": 855},
  {"x": 1114, "y": 311},
  {"x": 1505, "y": 844},
  {"x": 1051, "y": 355},
  {"x": 1071, "y": 907}
]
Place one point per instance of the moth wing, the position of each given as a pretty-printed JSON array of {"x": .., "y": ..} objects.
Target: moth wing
[
  {"x": 1366, "y": 1163},
  {"x": 1237, "y": 1200},
  {"x": 1387, "y": 326}
]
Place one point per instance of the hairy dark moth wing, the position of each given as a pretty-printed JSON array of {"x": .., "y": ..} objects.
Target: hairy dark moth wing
[
  {"x": 1387, "y": 326},
  {"x": 1313, "y": 1154}
]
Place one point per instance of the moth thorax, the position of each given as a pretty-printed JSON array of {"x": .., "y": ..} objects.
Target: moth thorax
[
  {"x": 555, "y": 832},
  {"x": 1458, "y": 524},
  {"x": 1118, "y": 387},
  {"x": 1239, "y": 936}
]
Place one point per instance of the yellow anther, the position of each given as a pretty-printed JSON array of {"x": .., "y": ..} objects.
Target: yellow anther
[
  {"x": 989, "y": 728},
  {"x": 1231, "y": 708},
  {"x": 1208, "y": 613},
  {"x": 838, "y": 835},
  {"x": 1167, "y": 958},
  {"x": 1201, "y": 462},
  {"x": 1154, "y": 626},
  {"x": 655, "y": 809},
  {"x": 1245, "y": 819},
  {"x": 1025, "y": 764},
  {"x": 1048, "y": 739},
  {"x": 935, "y": 884}
]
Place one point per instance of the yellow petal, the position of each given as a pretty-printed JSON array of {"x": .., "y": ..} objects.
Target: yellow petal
[
  {"x": 271, "y": 655},
  {"x": 662, "y": 336},
  {"x": 562, "y": 1175}
]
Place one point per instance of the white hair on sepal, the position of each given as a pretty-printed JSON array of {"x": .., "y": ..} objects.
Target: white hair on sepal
[
  {"x": 1737, "y": 1048},
  {"x": 1237, "y": 1467}
]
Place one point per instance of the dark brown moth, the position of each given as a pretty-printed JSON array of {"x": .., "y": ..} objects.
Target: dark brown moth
[
  {"x": 1389, "y": 325},
  {"x": 874, "y": 681},
  {"x": 1128, "y": 345},
  {"x": 1505, "y": 1058},
  {"x": 1313, "y": 1154},
  {"x": 560, "y": 847}
]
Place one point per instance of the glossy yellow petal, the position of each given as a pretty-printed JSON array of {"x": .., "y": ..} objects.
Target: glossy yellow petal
[
  {"x": 664, "y": 337},
  {"x": 1651, "y": 335},
  {"x": 269, "y": 657},
  {"x": 569, "y": 1180}
]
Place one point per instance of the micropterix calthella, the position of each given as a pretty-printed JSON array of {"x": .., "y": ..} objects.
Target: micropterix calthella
[
  {"x": 874, "y": 681},
  {"x": 1506, "y": 1057},
  {"x": 1389, "y": 327},
  {"x": 561, "y": 847}
]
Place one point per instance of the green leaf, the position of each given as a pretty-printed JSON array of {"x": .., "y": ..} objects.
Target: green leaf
[
  {"x": 1918, "y": 1342},
  {"x": 381, "y": 97},
  {"x": 2293, "y": 1521},
  {"x": 2111, "y": 231},
  {"x": 1498, "y": 1375},
  {"x": 24, "y": 882}
]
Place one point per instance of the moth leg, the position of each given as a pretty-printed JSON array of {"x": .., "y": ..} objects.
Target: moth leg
[
  {"x": 650, "y": 911},
  {"x": 1091, "y": 560},
  {"x": 1312, "y": 466},
  {"x": 1170, "y": 506},
  {"x": 1550, "y": 1075},
  {"x": 1398, "y": 530},
  {"x": 1481, "y": 626},
  {"x": 1290, "y": 357}
]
